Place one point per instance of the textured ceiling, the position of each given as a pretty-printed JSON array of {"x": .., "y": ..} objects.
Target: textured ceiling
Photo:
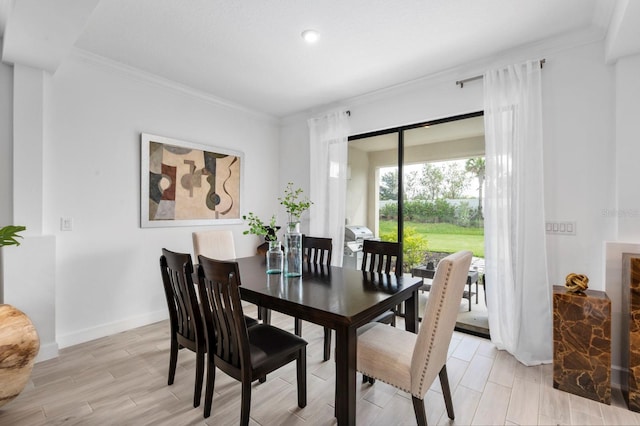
[{"x": 251, "y": 52}]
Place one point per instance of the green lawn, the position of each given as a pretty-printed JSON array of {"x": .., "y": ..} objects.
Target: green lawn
[{"x": 444, "y": 236}]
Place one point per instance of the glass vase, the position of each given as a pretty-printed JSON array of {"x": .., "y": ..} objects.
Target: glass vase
[
  {"x": 293, "y": 250},
  {"x": 274, "y": 258}
]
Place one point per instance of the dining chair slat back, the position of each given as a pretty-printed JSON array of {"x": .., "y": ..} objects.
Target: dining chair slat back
[
  {"x": 244, "y": 353},
  {"x": 186, "y": 325},
  {"x": 381, "y": 256},
  {"x": 222, "y": 308},
  {"x": 317, "y": 250}
]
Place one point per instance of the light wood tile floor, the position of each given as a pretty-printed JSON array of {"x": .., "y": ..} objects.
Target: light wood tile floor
[{"x": 122, "y": 380}]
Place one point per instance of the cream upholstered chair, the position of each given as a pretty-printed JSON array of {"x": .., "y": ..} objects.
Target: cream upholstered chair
[
  {"x": 409, "y": 361},
  {"x": 214, "y": 244}
]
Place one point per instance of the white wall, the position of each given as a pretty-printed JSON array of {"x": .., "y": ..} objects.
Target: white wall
[
  {"x": 626, "y": 211},
  {"x": 6, "y": 150},
  {"x": 628, "y": 152},
  {"x": 579, "y": 143},
  {"x": 294, "y": 164},
  {"x": 108, "y": 277}
]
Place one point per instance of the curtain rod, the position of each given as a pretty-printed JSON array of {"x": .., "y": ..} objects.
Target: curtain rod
[{"x": 478, "y": 77}]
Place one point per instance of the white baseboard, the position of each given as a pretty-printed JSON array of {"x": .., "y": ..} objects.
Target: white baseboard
[
  {"x": 47, "y": 351},
  {"x": 93, "y": 333}
]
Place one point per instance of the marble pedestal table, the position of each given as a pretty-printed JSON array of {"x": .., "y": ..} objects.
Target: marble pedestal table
[{"x": 582, "y": 343}]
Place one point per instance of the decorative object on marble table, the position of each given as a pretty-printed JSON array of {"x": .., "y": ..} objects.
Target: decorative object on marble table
[
  {"x": 576, "y": 283},
  {"x": 582, "y": 343}
]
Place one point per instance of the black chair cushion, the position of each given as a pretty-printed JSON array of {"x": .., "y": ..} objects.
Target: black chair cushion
[
  {"x": 268, "y": 342},
  {"x": 250, "y": 321}
]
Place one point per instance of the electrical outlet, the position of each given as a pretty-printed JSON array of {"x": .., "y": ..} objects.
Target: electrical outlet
[
  {"x": 561, "y": 228},
  {"x": 66, "y": 224}
]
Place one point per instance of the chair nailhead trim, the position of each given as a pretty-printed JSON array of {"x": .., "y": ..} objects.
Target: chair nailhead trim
[{"x": 431, "y": 341}]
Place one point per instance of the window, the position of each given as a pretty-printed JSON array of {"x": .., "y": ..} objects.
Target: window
[{"x": 436, "y": 165}]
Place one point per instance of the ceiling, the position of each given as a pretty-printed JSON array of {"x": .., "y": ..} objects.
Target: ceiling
[{"x": 250, "y": 53}]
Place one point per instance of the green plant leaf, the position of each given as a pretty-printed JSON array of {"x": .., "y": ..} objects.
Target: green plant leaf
[
  {"x": 258, "y": 227},
  {"x": 294, "y": 203},
  {"x": 9, "y": 233}
]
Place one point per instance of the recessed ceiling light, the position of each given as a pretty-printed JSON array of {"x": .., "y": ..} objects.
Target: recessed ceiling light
[{"x": 310, "y": 36}]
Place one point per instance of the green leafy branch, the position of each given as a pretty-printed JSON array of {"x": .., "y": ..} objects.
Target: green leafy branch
[
  {"x": 8, "y": 235},
  {"x": 294, "y": 203},
  {"x": 258, "y": 227}
]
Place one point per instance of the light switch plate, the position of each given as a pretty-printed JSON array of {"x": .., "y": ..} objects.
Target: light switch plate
[
  {"x": 66, "y": 224},
  {"x": 560, "y": 228}
]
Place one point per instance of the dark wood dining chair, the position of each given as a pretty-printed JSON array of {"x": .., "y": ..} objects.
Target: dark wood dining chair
[
  {"x": 317, "y": 251},
  {"x": 382, "y": 257},
  {"x": 409, "y": 361},
  {"x": 187, "y": 327},
  {"x": 245, "y": 353}
]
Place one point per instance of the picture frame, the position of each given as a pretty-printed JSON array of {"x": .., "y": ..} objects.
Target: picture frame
[{"x": 188, "y": 184}]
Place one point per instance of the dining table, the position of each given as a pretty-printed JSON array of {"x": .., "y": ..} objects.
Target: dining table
[{"x": 342, "y": 299}]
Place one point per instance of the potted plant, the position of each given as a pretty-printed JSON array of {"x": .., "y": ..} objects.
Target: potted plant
[
  {"x": 18, "y": 337},
  {"x": 274, "y": 252},
  {"x": 295, "y": 204}
]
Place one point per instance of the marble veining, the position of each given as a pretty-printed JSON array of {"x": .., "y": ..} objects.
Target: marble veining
[{"x": 582, "y": 343}]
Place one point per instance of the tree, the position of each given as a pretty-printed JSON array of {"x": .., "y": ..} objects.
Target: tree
[
  {"x": 389, "y": 185},
  {"x": 455, "y": 181},
  {"x": 411, "y": 185},
  {"x": 431, "y": 180},
  {"x": 476, "y": 167}
]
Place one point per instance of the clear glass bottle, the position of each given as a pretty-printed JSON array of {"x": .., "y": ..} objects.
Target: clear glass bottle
[
  {"x": 274, "y": 258},
  {"x": 293, "y": 250}
]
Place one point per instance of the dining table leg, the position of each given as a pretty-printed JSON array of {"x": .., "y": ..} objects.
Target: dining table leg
[
  {"x": 264, "y": 315},
  {"x": 411, "y": 312},
  {"x": 346, "y": 375}
]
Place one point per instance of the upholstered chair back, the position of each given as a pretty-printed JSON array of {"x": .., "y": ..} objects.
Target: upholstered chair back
[
  {"x": 215, "y": 244},
  {"x": 439, "y": 320}
]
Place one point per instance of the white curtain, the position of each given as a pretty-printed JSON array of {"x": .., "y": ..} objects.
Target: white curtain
[
  {"x": 328, "y": 178},
  {"x": 518, "y": 291}
]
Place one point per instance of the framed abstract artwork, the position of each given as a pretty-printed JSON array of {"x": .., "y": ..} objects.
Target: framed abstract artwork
[{"x": 187, "y": 184}]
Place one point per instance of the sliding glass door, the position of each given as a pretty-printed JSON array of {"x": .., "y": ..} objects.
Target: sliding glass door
[{"x": 410, "y": 184}]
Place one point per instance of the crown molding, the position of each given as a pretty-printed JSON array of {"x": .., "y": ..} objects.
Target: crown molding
[{"x": 165, "y": 83}]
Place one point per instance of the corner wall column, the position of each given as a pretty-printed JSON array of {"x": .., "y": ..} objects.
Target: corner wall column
[{"x": 30, "y": 269}]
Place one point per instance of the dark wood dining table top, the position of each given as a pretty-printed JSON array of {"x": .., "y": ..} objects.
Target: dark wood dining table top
[{"x": 326, "y": 295}]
